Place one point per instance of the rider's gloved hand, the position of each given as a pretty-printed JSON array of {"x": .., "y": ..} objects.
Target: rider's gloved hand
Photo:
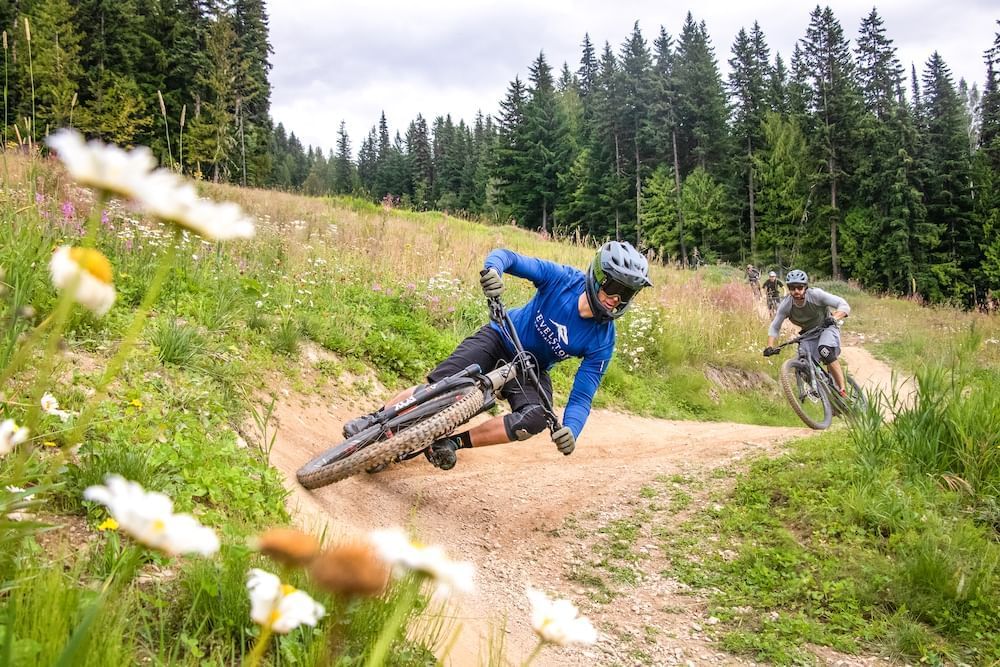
[
  {"x": 491, "y": 283},
  {"x": 771, "y": 351},
  {"x": 830, "y": 321},
  {"x": 565, "y": 442}
]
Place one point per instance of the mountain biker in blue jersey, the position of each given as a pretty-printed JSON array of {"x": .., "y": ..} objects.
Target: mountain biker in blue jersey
[
  {"x": 572, "y": 314},
  {"x": 808, "y": 308}
]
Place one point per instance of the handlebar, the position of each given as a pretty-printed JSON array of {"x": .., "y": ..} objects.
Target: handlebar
[{"x": 809, "y": 334}]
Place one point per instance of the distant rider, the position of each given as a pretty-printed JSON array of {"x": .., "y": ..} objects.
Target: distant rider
[
  {"x": 772, "y": 289},
  {"x": 572, "y": 314},
  {"x": 753, "y": 277},
  {"x": 808, "y": 308}
]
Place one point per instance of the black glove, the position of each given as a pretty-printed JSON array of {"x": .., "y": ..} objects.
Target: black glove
[
  {"x": 830, "y": 321},
  {"x": 491, "y": 283},
  {"x": 771, "y": 351},
  {"x": 565, "y": 442}
]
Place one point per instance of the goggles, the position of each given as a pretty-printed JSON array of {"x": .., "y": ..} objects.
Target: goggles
[{"x": 612, "y": 287}]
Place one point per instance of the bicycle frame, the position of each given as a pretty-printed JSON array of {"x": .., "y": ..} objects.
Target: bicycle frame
[
  {"x": 424, "y": 400},
  {"x": 820, "y": 377}
]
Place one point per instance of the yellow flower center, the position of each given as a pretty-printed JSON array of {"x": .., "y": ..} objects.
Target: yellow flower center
[
  {"x": 109, "y": 524},
  {"x": 93, "y": 262},
  {"x": 159, "y": 526},
  {"x": 287, "y": 589},
  {"x": 273, "y": 618}
]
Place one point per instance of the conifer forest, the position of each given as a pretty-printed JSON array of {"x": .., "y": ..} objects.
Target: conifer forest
[{"x": 834, "y": 157}]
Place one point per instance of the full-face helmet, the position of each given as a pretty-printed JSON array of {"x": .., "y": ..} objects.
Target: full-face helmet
[{"x": 620, "y": 270}]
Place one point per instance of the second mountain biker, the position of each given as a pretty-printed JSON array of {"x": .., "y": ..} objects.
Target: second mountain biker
[
  {"x": 808, "y": 308},
  {"x": 571, "y": 314}
]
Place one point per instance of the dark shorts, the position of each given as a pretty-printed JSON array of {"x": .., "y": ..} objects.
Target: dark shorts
[{"x": 486, "y": 348}]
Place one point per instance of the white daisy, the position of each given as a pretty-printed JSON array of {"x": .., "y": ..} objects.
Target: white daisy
[
  {"x": 11, "y": 435},
  {"x": 278, "y": 606},
  {"x": 50, "y": 406},
  {"x": 149, "y": 518},
  {"x": 88, "y": 272},
  {"x": 395, "y": 548},
  {"x": 559, "y": 622},
  {"x": 172, "y": 199},
  {"x": 103, "y": 166}
]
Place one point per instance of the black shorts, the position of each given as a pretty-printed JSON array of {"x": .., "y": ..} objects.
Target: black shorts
[{"x": 486, "y": 348}]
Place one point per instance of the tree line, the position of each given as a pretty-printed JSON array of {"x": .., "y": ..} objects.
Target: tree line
[{"x": 839, "y": 160}]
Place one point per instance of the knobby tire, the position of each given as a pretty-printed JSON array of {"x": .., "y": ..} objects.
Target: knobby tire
[
  {"x": 403, "y": 442},
  {"x": 790, "y": 385}
]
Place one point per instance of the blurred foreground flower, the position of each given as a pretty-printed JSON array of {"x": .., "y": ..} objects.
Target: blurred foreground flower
[
  {"x": 161, "y": 193},
  {"x": 396, "y": 549},
  {"x": 50, "y": 406},
  {"x": 350, "y": 569},
  {"x": 172, "y": 199},
  {"x": 279, "y": 607},
  {"x": 102, "y": 166},
  {"x": 11, "y": 435},
  {"x": 559, "y": 622},
  {"x": 288, "y": 546},
  {"x": 88, "y": 272},
  {"x": 149, "y": 518}
]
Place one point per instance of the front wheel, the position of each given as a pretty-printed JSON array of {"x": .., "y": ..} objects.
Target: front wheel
[
  {"x": 808, "y": 400},
  {"x": 321, "y": 470}
]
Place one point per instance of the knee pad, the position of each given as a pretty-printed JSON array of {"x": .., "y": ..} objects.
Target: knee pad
[
  {"x": 525, "y": 423},
  {"x": 827, "y": 353}
]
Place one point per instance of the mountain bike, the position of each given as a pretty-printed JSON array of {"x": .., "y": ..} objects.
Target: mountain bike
[
  {"x": 811, "y": 390},
  {"x": 773, "y": 300},
  {"x": 405, "y": 429}
]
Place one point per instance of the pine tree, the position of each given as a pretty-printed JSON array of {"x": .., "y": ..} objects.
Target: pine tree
[
  {"x": 213, "y": 142},
  {"x": 946, "y": 163},
  {"x": 48, "y": 82},
  {"x": 638, "y": 98},
  {"x": 748, "y": 91},
  {"x": 511, "y": 151},
  {"x": 700, "y": 101},
  {"x": 834, "y": 103},
  {"x": 343, "y": 176},
  {"x": 418, "y": 147}
]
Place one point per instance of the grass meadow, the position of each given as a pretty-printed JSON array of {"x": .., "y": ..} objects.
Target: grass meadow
[{"x": 896, "y": 548}]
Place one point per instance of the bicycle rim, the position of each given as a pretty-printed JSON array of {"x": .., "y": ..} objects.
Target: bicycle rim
[
  {"x": 321, "y": 471},
  {"x": 808, "y": 400}
]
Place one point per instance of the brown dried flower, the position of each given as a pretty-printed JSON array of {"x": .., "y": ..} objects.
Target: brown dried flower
[
  {"x": 350, "y": 569},
  {"x": 288, "y": 546}
]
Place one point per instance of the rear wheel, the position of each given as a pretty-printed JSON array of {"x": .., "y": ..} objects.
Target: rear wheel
[
  {"x": 325, "y": 469},
  {"x": 808, "y": 401}
]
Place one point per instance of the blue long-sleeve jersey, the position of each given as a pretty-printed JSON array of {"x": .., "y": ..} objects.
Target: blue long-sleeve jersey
[{"x": 550, "y": 327}]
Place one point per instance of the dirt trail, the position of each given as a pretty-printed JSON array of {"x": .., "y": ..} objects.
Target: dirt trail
[{"x": 500, "y": 507}]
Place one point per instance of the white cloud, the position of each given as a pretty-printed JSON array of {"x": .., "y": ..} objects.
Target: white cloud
[{"x": 352, "y": 60}]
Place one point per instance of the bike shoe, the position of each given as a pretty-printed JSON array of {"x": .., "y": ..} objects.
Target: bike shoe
[
  {"x": 355, "y": 426},
  {"x": 441, "y": 453}
]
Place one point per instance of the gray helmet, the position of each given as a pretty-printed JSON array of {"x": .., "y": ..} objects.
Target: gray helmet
[
  {"x": 620, "y": 270},
  {"x": 772, "y": 274},
  {"x": 796, "y": 277}
]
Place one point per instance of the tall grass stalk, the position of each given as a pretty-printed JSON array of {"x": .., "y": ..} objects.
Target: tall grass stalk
[
  {"x": 31, "y": 77},
  {"x": 166, "y": 126},
  {"x": 180, "y": 160},
  {"x": 4, "y": 139}
]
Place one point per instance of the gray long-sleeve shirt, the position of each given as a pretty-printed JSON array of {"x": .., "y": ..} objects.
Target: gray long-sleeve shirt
[{"x": 811, "y": 314}]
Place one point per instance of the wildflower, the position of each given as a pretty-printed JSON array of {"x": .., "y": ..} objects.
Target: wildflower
[
  {"x": 89, "y": 272},
  {"x": 103, "y": 166},
  {"x": 136, "y": 403},
  {"x": 149, "y": 518},
  {"x": 167, "y": 196},
  {"x": 18, "y": 489},
  {"x": 50, "y": 406},
  {"x": 288, "y": 546},
  {"x": 280, "y": 607},
  {"x": 350, "y": 569},
  {"x": 11, "y": 435},
  {"x": 559, "y": 622},
  {"x": 108, "y": 524},
  {"x": 49, "y": 443},
  {"x": 396, "y": 549}
]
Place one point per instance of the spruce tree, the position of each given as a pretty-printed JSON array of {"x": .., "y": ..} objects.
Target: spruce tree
[{"x": 343, "y": 175}]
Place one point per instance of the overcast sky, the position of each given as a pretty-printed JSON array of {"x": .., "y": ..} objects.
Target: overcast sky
[{"x": 349, "y": 60}]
